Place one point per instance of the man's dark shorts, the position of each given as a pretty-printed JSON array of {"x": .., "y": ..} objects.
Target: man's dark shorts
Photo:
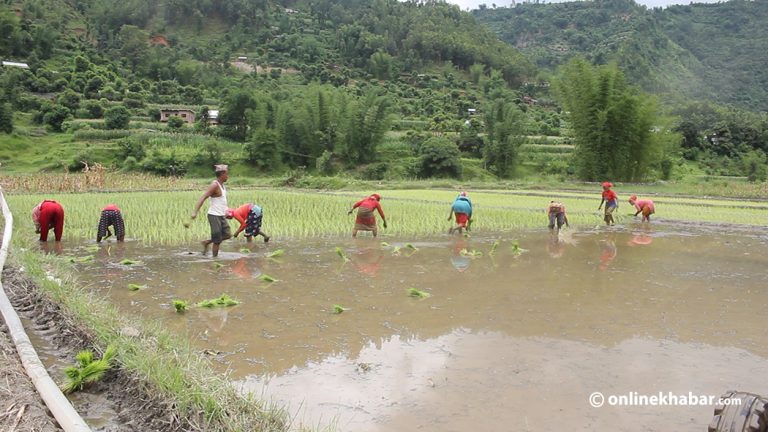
[{"x": 220, "y": 230}]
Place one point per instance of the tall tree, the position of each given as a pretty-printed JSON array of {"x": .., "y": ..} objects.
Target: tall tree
[
  {"x": 612, "y": 122},
  {"x": 505, "y": 130}
]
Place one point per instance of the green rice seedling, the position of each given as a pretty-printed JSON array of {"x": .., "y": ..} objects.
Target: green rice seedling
[
  {"x": 340, "y": 252},
  {"x": 413, "y": 292},
  {"x": 411, "y": 247},
  {"x": 470, "y": 253},
  {"x": 517, "y": 250},
  {"x": 80, "y": 260},
  {"x": 275, "y": 254},
  {"x": 136, "y": 287},
  {"x": 129, "y": 262},
  {"x": 222, "y": 301},
  {"x": 267, "y": 278},
  {"x": 92, "y": 249},
  {"x": 384, "y": 244},
  {"x": 218, "y": 265},
  {"x": 180, "y": 305},
  {"x": 337, "y": 309},
  {"x": 87, "y": 369},
  {"x": 493, "y": 248},
  {"x": 396, "y": 250},
  {"x": 245, "y": 251}
]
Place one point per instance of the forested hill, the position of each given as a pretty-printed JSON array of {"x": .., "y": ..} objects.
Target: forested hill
[
  {"x": 333, "y": 37},
  {"x": 711, "y": 51}
]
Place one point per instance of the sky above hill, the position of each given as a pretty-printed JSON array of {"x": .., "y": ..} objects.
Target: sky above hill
[{"x": 473, "y": 4}]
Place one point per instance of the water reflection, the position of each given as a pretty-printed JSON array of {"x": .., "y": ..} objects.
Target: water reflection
[
  {"x": 459, "y": 261},
  {"x": 368, "y": 260},
  {"x": 486, "y": 339},
  {"x": 489, "y": 381},
  {"x": 608, "y": 250}
]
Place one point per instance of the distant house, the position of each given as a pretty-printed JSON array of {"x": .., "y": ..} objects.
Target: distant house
[
  {"x": 15, "y": 64},
  {"x": 471, "y": 111},
  {"x": 186, "y": 114},
  {"x": 213, "y": 117},
  {"x": 242, "y": 58}
]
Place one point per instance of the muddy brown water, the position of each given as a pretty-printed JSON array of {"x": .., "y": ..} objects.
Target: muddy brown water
[{"x": 505, "y": 342}]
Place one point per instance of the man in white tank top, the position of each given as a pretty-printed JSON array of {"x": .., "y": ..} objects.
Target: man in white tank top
[{"x": 217, "y": 210}]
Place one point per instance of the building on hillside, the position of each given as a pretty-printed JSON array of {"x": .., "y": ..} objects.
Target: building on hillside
[
  {"x": 213, "y": 117},
  {"x": 15, "y": 64},
  {"x": 185, "y": 114},
  {"x": 471, "y": 111}
]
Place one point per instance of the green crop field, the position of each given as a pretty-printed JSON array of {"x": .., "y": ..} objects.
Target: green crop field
[{"x": 160, "y": 217}]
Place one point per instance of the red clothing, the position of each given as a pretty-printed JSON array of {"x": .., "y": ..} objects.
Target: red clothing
[
  {"x": 111, "y": 207},
  {"x": 609, "y": 195},
  {"x": 641, "y": 204},
  {"x": 46, "y": 215},
  {"x": 462, "y": 219},
  {"x": 556, "y": 208},
  {"x": 241, "y": 214},
  {"x": 371, "y": 204}
]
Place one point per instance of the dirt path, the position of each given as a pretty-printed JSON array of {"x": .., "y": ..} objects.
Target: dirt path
[{"x": 119, "y": 402}]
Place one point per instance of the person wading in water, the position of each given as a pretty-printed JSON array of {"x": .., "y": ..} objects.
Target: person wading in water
[{"x": 217, "y": 211}]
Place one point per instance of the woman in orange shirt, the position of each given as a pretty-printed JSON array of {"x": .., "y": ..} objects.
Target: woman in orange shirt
[{"x": 250, "y": 217}]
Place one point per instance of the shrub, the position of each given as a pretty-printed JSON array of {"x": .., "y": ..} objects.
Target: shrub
[
  {"x": 165, "y": 164},
  {"x": 175, "y": 123},
  {"x": 323, "y": 163},
  {"x": 439, "y": 157},
  {"x": 6, "y": 118},
  {"x": 54, "y": 117},
  {"x": 94, "y": 109},
  {"x": 117, "y": 117}
]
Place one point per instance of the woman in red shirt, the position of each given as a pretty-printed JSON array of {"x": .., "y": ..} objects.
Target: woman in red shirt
[
  {"x": 366, "y": 218},
  {"x": 46, "y": 215},
  {"x": 611, "y": 201}
]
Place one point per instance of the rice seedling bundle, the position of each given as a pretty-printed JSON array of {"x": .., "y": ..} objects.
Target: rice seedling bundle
[
  {"x": 413, "y": 292},
  {"x": 180, "y": 305},
  {"x": 267, "y": 278},
  {"x": 222, "y": 301}
]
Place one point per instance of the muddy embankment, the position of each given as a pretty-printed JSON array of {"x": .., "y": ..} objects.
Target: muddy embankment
[{"x": 119, "y": 402}]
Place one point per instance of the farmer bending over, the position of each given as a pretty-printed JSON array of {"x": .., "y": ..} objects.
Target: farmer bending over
[
  {"x": 462, "y": 209},
  {"x": 644, "y": 206},
  {"x": 46, "y": 215},
  {"x": 217, "y": 210},
  {"x": 110, "y": 216},
  {"x": 249, "y": 215},
  {"x": 556, "y": 213},
  {"x": 366, "y": 218}
]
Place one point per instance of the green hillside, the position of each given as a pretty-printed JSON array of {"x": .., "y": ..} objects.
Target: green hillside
[
  {"x": 700, "y": 51},
  {"x": 372, "y": 89}
]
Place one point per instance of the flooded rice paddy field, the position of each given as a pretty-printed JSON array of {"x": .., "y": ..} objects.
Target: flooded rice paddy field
[{"x": 506, "y": 341}]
